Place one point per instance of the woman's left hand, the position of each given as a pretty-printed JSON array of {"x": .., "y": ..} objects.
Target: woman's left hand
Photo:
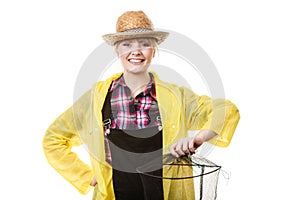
[{"x": 190, "y": 144}]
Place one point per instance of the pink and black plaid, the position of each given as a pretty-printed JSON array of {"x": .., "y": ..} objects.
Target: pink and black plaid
[{"x": 129, "y": 113}]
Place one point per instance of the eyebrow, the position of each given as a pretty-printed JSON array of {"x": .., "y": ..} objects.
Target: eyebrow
[
  {"x": 138, "y": 40},
  {"x": 151, "y": 41}
]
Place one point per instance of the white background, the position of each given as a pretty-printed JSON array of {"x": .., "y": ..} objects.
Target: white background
[{"x": 255, "y": 46}]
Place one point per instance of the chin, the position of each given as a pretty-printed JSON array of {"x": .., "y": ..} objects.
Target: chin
[{"x": 137, "y": 69}]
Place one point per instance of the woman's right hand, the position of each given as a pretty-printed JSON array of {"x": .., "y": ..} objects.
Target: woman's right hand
[{"x": 93, "y": 182}]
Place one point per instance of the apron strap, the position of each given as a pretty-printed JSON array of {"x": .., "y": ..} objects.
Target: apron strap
[{"x": 106, "y": 113}]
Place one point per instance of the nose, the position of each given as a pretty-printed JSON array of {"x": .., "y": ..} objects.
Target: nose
[
  {"x": 136, "y": 52},
  {"x": 136, "y": 49}
]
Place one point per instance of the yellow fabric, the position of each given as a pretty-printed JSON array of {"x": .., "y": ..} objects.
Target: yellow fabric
[
  {"x": 178, "y": 189},
  {"x": 181, "y": 110}
]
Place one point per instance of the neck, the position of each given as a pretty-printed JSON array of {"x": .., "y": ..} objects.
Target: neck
[{"x": 136, "y": 82}]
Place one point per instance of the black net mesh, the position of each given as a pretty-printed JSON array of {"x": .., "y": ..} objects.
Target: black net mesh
[{"x": 188, "y": 177}]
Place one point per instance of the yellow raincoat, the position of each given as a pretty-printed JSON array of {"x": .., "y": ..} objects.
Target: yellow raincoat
[{"x": 180, "y": 109}]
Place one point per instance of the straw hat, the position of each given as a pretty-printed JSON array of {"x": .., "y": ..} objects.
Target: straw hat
[{"x": 134, "y": 24}]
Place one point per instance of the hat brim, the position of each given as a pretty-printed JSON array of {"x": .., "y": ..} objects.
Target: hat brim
[{"x": 111, "y": 39}]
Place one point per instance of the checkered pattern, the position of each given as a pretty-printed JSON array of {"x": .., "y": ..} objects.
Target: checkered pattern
[
  {"x": 129, "y": 113},
  {"x": 138, "y": 30}
]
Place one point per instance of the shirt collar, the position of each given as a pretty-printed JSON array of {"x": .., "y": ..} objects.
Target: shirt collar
[{"x": 150, "y": 88}]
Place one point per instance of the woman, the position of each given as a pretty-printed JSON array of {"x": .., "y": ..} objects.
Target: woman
[{"x": 133, "y": 118}]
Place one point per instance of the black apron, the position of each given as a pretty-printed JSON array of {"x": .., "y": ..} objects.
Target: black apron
[{"x": 131, "y": 149}]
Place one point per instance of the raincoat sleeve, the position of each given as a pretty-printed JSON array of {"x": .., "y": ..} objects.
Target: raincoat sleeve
[
  {"x": 59, "y": 138},
  {"x": 219, "y": 115}
]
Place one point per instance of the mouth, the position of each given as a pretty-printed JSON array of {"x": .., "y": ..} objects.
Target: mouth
[{"x": 136, "y": 60}]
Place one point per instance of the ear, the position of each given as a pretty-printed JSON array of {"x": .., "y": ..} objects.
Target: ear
[{"x": 154, "y": 53}]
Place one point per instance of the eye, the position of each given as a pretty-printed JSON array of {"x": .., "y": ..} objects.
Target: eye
[
  {"x": 125, "y": 44},
  {"x": 146, "y": 44}
]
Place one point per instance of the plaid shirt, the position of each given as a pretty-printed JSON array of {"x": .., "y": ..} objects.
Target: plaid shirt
[{"x": 129, "y": 113}]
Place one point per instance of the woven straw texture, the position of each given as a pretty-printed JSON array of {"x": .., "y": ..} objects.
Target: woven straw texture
[
  {"x": 134, "y": 24},
  {"x": 133, "y": 20}
]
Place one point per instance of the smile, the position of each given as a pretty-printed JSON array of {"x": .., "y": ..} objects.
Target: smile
[{"x": 135, "y": 60}]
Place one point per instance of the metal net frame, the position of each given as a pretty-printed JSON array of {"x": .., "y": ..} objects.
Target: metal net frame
[{"x": 191, "y": 173}]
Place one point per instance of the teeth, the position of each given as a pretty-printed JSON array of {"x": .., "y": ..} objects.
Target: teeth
[{"x": 135, "y": 60}]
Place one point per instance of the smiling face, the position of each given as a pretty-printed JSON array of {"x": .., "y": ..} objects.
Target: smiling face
[{"x": 136, "y": 54}]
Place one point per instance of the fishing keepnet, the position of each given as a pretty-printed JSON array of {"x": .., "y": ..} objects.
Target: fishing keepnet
[{"x": 185, "y": 178}]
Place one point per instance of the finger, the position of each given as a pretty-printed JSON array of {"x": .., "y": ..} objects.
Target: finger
[
  {"x": 192, "y": 145},
  {"x": 178, "y": 148},
  {"x": 94, "y": 182},
  {"x": 185, "y": 146},
  {"x": 173, "y": 151}
]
